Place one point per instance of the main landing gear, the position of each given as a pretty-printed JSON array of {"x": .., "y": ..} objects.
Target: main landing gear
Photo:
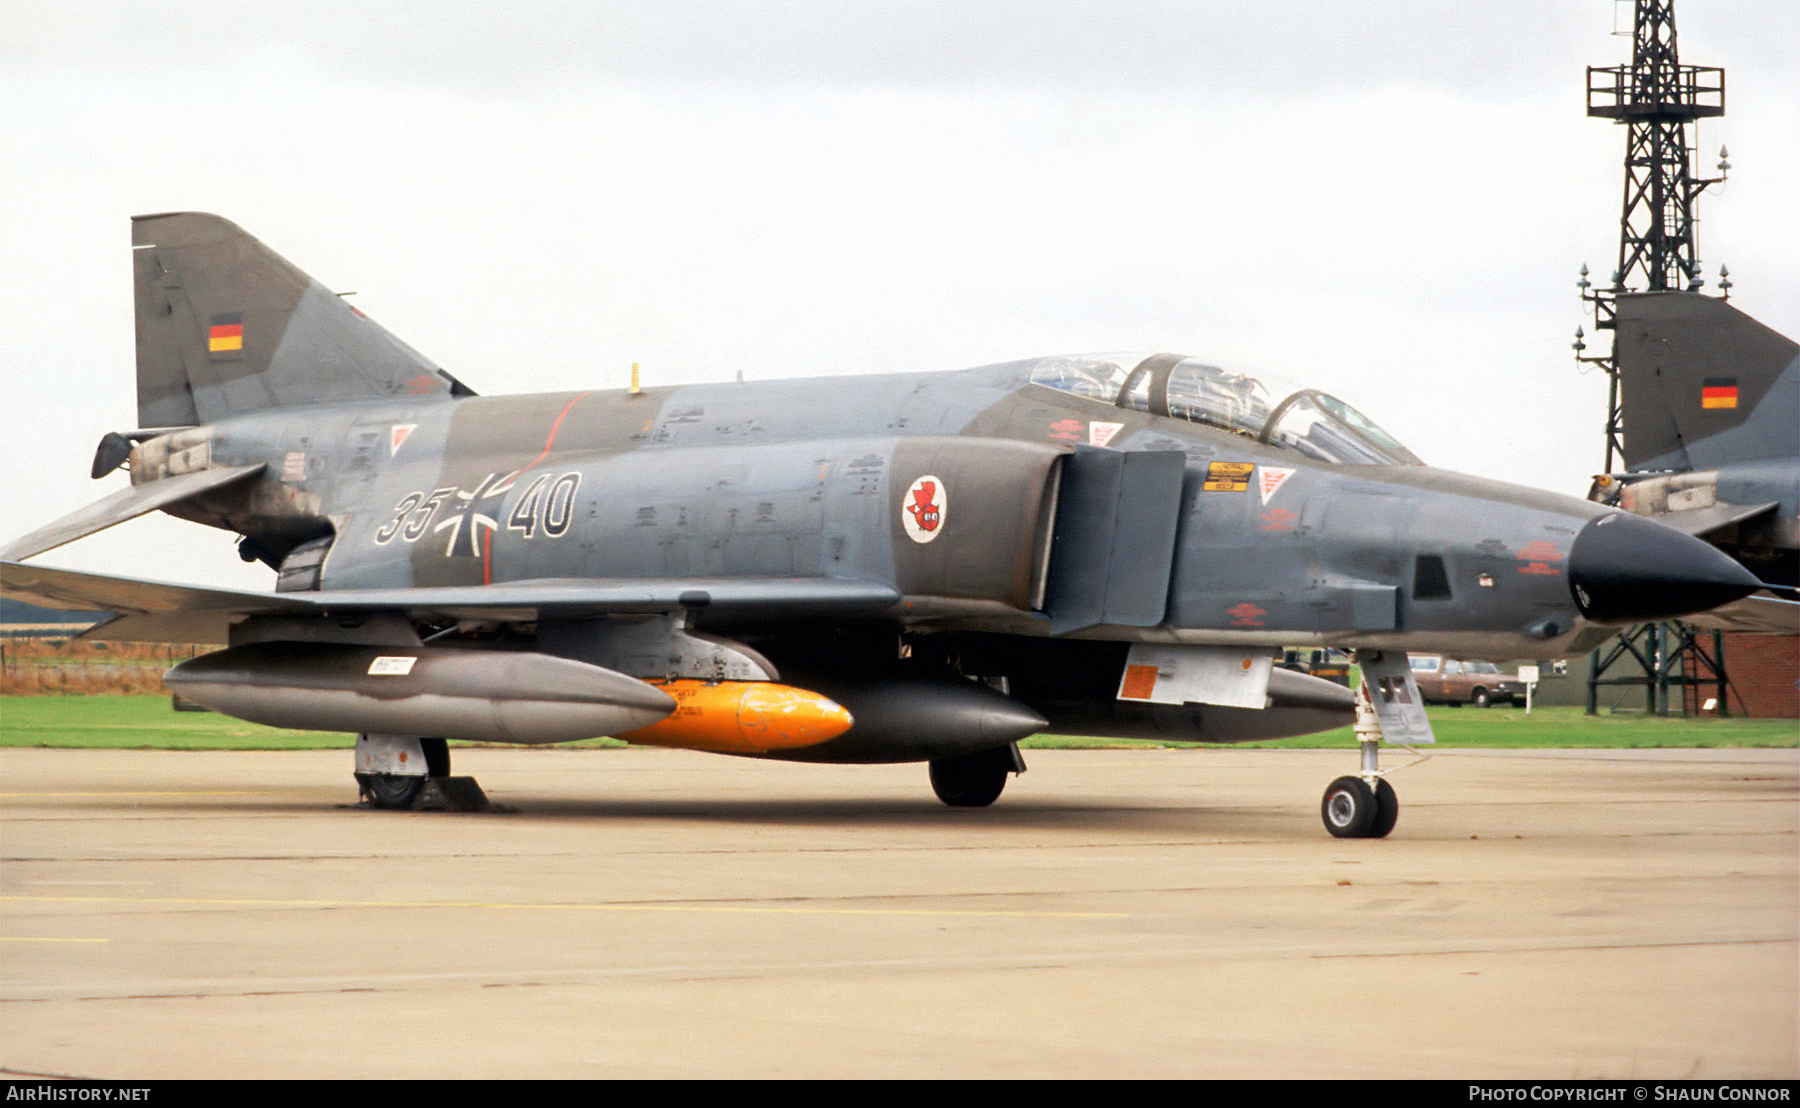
[
  {"x": 975, "y": 780},
  {"x": 391, "y": 770},
  {"x": 404, "y": 772}
]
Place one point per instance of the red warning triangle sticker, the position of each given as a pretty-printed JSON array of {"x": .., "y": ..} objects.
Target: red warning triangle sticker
[
  {"x": 397, "y": 436},
  {"x": 1269, "y": 479}
]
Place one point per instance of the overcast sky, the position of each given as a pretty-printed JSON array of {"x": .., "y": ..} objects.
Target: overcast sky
[{"x": 1388, "y": 200}]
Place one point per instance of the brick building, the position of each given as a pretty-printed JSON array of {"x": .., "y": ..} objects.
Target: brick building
[{"x": 1765, "y": 676}]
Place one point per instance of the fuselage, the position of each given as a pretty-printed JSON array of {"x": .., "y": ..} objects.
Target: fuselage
[{"x": 819, "y": 477}]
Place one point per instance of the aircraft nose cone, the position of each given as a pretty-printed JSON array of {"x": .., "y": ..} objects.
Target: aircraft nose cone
[{"x": 1627, "y": 569}]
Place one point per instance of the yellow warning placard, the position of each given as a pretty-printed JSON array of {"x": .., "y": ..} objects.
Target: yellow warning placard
[{"x": 1229, "y": 476}]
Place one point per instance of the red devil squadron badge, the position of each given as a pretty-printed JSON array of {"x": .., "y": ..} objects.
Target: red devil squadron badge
[{"x": 923, "y": 511}]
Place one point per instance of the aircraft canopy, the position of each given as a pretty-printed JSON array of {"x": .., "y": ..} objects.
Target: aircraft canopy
[{"x": 1306, "y": 421}]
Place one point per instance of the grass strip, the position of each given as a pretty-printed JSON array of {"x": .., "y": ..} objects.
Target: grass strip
[{"x": 150, "y": 723}]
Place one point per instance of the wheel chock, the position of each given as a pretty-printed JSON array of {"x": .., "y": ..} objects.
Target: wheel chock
[{"x": 451, "y": 794}]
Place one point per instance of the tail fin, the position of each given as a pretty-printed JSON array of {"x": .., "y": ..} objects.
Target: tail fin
[
  {"x": 1692, "y": 367},
  {"x": 225, "y": 326}
]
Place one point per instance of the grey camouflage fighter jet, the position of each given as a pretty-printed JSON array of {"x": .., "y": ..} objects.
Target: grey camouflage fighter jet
[
  {"x": 915, "y": 567},
  {"x": 1711, "y": 430}
]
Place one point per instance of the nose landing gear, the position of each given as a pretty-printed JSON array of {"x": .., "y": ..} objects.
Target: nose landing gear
[{"x": 1365, "y": 806}]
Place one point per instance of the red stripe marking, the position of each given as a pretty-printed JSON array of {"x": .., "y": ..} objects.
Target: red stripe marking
[
  {"x": 554, "y": 428},
  {"x": 487, "y": 568}
]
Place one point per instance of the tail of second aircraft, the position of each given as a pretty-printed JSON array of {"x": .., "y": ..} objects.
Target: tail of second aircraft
[
  {"x": 1693, "y": 367},
  {"x": 227, "y": 326}
]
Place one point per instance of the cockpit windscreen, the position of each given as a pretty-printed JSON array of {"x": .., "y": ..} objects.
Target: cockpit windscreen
[{"x": 1306, "y": 421}]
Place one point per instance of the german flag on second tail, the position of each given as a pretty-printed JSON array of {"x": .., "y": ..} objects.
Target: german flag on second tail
[
  {"x": 1719, "y": 392},
  {"x": 226, "y": 335}
]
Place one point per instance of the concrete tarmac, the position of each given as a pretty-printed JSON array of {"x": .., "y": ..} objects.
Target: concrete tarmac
[{"x": 1126, "y": 913}]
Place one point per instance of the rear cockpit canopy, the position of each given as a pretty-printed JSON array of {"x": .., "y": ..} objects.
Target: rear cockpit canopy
[{"x": 1305, "y": 421}]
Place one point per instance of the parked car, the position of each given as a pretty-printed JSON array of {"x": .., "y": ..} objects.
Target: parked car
[
  {"x": 1332, "y": 665},
  {"x": 1447, "y": 681}
]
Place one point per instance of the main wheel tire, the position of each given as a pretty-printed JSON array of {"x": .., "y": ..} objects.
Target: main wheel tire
[
  {"x": 1349, "y": 808},
  {"x": 971, "y": 780},
  {"x": 1480, "y": 698},
  {"x": 391, "y": 790},
  {"x": 1387, "y": 810}
]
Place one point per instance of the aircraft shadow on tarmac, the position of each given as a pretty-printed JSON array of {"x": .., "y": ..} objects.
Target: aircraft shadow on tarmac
[
  {"x": 1099, "y": 813},
  {"x": 891, "y": 814}
]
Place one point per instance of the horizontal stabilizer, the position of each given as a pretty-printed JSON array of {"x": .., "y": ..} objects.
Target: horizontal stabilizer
[
  {"x": 126, "y": 504},
  {"x": 156, "y": 611}
]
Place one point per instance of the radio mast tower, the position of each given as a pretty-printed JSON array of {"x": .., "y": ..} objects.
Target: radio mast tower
[{"x": 1657, "y": 99}]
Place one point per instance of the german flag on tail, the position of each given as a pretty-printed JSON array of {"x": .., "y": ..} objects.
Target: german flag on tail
[
  {"x": 1719, "y": 392},
  {"x": 225, "y": 338}
]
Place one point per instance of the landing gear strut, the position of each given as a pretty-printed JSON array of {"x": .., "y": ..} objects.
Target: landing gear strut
[
  {"x": 1388, "y": 707},
  {"x": 1364, "y": 806},
  {"x": 975, "y": 780}
]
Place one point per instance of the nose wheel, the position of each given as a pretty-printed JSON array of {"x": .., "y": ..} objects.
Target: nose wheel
[{"x": 1355, "y": 809}]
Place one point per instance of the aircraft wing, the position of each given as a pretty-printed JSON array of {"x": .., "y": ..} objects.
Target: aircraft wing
[
  {"x": 578, "y": 598},
  {"x": 1764, "y": 612},
  {"x": 1701, "y": 522},
  {"x": 157, "y": 611},
  {"x": 127, "y": 503}
]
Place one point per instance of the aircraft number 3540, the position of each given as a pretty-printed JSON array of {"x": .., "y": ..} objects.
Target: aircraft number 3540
[{"x": 546, "y": 508}]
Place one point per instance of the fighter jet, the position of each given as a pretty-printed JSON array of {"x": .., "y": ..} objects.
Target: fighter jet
[
  {"x": 1711, "y": 436},
  {"x": 910, "y": 567}
]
